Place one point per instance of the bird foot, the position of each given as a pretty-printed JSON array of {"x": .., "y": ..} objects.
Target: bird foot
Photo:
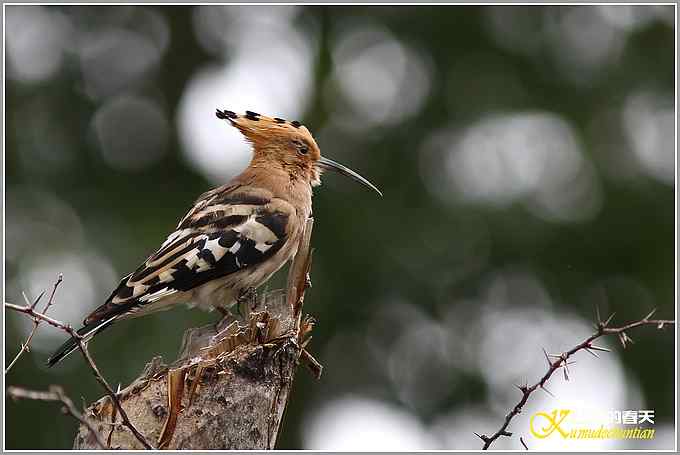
[
  {"x": 246, "y": 302},
  {"x": 226, "y": 317}
]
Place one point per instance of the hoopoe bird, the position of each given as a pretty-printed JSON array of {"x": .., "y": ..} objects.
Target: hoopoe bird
[{"x": 235, "y": 237}]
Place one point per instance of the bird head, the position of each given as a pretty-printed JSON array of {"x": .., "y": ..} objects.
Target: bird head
[{"x": 288, "y": 144}]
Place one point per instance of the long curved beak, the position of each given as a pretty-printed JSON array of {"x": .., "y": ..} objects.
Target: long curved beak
[{"x": 326, "y": 163}]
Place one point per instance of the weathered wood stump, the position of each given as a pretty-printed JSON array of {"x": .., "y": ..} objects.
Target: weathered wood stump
[{"x": 230, "y": 385}]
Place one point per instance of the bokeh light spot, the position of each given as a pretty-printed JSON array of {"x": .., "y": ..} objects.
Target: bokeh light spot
[{"x": 132, "y": 132}]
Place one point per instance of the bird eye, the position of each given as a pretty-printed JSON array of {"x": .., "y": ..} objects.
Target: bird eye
[{"x": 301, "y": 147}]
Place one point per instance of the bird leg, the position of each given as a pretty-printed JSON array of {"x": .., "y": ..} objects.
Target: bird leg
[
  {"x": 246, "y": 302},
  {"x": 223, "y": 311}
]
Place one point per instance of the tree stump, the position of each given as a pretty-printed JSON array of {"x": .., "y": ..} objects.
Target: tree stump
[{"x": 230, "y": 385}]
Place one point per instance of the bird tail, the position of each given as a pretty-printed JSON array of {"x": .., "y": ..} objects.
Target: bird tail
[{"x": 71, "y": 344}]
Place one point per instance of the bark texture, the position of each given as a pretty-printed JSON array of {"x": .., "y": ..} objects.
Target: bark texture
[{"x": 230, "y": 385}]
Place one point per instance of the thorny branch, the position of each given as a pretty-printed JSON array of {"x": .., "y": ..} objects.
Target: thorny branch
[
  {"x": 56, "y": 394},
  {"x": 113, "y": 395},
  {"x": 30, "y": 311},
  {"x": 26, "y": 345},
  {"x": 36, "y": 315},
  {"x": 562, "y": 361}
]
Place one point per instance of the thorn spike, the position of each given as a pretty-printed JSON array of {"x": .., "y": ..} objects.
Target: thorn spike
[
  {"x": 547, "y": 358},
  {"x": 483, "y": 437},
  {"x": 598, "y": 348},
  {"x": 35, "y": 302},
  {"x": 609, "y": 319},
  {"x": 521, "y": 388},
  {"x": 547, "y": 391},
  {"x": 594, "y": 354}
]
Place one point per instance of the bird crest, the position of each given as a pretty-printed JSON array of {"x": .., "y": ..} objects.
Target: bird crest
[
  {"x": 262, "y": 130},
  {"x": 287, "y": 143}
]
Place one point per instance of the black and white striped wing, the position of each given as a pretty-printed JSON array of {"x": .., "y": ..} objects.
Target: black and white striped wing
[{"x": 215, "y": 239}]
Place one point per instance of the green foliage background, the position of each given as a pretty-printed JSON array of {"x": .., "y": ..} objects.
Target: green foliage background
[{"x": 409, "y": 246}]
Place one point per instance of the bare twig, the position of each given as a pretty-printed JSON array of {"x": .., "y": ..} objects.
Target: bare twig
[
  {"x": 90, "y": 361},
  {"x": 34, "y": 314},
  {"x": 561, "y": 361},
  {"x": 26, "y": 346},
  {"x": 56, "y": 394}
]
